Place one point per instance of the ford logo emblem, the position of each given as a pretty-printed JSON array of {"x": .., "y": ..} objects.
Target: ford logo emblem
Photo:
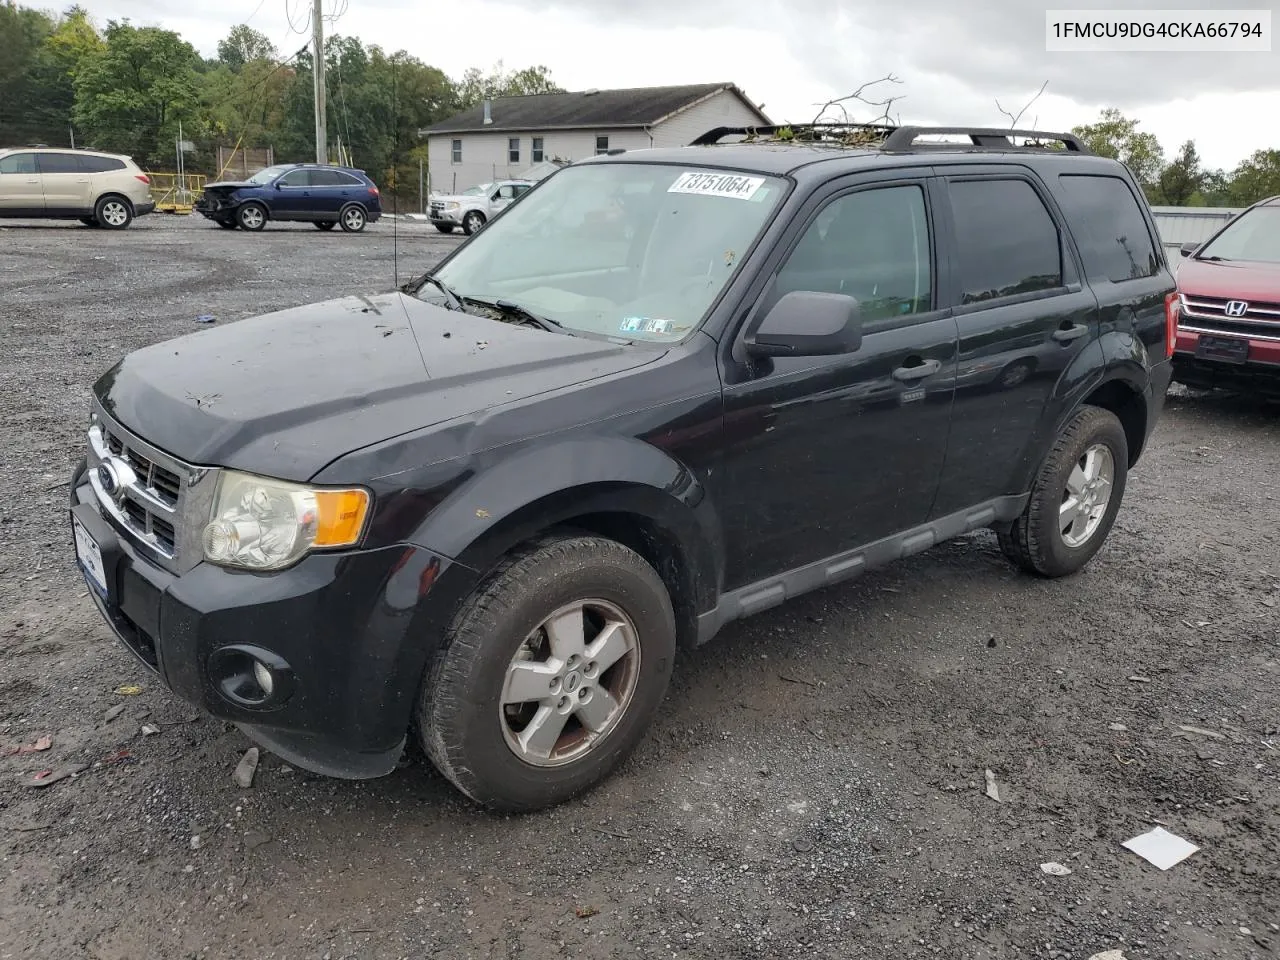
[{"x": 107, "y": 478}]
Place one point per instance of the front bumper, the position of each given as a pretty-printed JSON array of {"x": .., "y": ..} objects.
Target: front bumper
[
  {"x": 1258, "y": 372},
  {"x": 354, "y": 631}
]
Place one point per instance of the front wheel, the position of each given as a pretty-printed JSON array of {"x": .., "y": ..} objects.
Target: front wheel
[
  {"x": 89, "y": 221},
  {"x": 445, "y": 227},
  {"x": 226, "y": 224},
  {"x": 550, "y": 673},
  {"x": 353, "y": 219},
  {"x": 472, "y": 222},
  {"x": 1074, "y": 499},
  {"x": 252, "y": 217}
]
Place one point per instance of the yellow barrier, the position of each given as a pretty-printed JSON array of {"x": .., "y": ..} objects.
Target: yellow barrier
[{"x": 176, "y": 194}]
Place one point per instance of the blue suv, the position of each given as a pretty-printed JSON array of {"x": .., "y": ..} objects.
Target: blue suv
[{"x": 310, "y": 192}]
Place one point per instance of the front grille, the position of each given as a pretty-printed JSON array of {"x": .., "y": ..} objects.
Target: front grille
[
  {"x": 145, "y": 491},
  {"x": 164, "y": 483},
  {"x": 437, "y": 209},
  {"x": 1258, "y": 320}
]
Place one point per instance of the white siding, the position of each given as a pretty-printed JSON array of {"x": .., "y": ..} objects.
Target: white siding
[
  {"x": 485, "y": 158},
  {"x": 724, "y": 109}
]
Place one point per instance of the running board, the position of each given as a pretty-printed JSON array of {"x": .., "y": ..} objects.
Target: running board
[{"x": 753, "y": 598}]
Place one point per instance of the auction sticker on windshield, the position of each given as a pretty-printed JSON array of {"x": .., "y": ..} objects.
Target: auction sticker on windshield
[{"x": 717, "y": 185}]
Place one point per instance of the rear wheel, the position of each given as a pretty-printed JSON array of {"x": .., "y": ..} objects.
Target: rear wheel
[
  {"x": 252, "y": 217},
  {"x": 353, "y": 219},
  {"x": 472, "y": 222},
  {"x": 549, "y": 674},
  {"x": 1074, "y": 499},
  {"x": 325, "y": 224},
  {"x": 112, "y": 212}
]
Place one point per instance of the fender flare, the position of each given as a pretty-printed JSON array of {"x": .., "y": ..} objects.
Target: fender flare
[{"x": 549, "y": 485}]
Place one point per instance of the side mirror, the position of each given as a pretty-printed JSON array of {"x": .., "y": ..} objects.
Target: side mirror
[
  {"x": 1188, "y": 248},
  {"x": 804, "y": 323},
  {"x": 279, "y": 184}
]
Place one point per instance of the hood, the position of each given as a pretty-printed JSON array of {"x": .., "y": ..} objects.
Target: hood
[
  {"x": 1230, "y": 280},
  {"x": 229, "y": 185},
  {"x": 287, "y": 393},
  {"x": 459, "y": 198}
]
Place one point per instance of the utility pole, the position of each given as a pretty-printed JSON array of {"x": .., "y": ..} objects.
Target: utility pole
[{"x": 317, "y": 34}]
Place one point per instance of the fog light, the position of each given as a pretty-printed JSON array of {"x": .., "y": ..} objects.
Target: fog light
[{"x": 264, "y": 677}]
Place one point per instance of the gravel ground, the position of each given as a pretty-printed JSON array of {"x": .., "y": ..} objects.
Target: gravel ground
[{"x": 815, "y": 787}]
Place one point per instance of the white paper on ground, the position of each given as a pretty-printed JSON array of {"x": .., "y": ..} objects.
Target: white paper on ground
[{"x": 1161, "y": 848}]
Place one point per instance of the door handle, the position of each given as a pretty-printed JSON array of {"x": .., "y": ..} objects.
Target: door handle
[
  {"x": 917, "y": 371},
  {"x": 1073, "y": 332}
]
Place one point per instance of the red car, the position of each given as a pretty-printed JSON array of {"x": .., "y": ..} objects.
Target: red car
[{"x": 1229, "y": 306}]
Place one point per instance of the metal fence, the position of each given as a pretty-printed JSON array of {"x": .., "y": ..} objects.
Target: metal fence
[
  {"x": 1179, "y": 225},
  {"x": 175, "y": 193}
]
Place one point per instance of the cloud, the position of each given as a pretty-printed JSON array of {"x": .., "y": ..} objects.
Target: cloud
[{"x": 954, "y": 61}]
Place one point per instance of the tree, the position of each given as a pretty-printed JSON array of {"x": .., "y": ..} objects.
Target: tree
[
  {"x": 1116, "y": 136},
  {"x": 131, "y": 95},
  {"x": 476, "y": 86},
  {"x": 1181, "y": 179},
  {"x": 1255, "y": 179},
  {"x": 244, "y": 45}
]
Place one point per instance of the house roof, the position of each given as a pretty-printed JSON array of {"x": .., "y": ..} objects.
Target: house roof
[{"x": 634, "y": 107}]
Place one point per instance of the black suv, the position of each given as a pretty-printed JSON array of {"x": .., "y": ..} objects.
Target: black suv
[{"x": 665, "y": 390}]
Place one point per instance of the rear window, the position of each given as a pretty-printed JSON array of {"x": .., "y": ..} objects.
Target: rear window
[
  {"x": 332, "y": 178},
  {"x": 1109, "y": 228},
  {"x": 59, "y": 163},
  {"x": 100, "y": 164},
  {"x": 18, "y": 163},
  {"x": 1006, "y": 242}
]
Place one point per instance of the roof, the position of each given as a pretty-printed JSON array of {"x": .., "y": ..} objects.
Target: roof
[
  {"x": 634, "y": 107},
  {"x": 75, "y": 150}
]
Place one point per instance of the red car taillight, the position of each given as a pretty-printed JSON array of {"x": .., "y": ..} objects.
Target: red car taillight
[
  {"x": 373, "y": 191},
  {"x": 1170, "y": 323},
  {"x": 143, "y": 177}
]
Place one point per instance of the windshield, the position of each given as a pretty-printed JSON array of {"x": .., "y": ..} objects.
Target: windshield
[
  {"x": 477, "y": 190},
  {"x": 1254, "y": 235},
  {"x": 628, "y": 250},
  {"x": 267, "y": 175}
]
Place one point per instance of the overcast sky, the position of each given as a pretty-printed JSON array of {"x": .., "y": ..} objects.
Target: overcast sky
[{"x": 954, "y": 59}]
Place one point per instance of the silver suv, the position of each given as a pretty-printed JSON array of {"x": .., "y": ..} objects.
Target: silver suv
[{"x": 98, "y": 189}]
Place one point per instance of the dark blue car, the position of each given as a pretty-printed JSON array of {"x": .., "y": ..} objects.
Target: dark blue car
[{"x": 309, "y": 192}]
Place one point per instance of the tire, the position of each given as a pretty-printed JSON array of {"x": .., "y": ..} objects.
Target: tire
[
  {"x": 113, "y": 212},
  {"x": 325, "y": 224},
  {"x": 89, "y": 222},
  {"x": 251, "y": 217},
  {"x": 353, "y": 218},
  {"x": 1041, "y": 541},
  {"x": 226, "y": 224},
  {"x": 445, "y": 227},
  {"x": 474, "y": 741},
  {"x": 472, "y": 222}
]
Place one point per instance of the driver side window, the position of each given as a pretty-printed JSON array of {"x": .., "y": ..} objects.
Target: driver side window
[{"x": 872, "y": 245}]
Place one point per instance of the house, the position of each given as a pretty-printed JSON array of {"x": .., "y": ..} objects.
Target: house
[{"x": 507, "y": 136}]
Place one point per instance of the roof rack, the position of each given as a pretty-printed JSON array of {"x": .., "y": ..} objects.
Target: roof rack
[
  {"x": 996, "y": 138},
  {"x": 894, "y": 138}
]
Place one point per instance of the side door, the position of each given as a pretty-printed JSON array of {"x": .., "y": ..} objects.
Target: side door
[
  {"x": 501, "y": 198},
  {"x": 65, "y": 183},
  {"x": 329, "y": 191},
  {"x": 20, "y": 192},
  {"x": 844, "y": 450},
  {"x": 1121, "y": 258},
  {"x": 291, "y": 197},
  {"x": 1024, "y": 316}
]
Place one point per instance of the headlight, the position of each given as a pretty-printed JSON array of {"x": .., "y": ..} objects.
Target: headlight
[
  {"x": 262, "y": 524},
  {"x": 451, "y": 206}
]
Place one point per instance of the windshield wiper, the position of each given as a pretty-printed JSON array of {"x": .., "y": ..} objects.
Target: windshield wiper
[
  {"x": 516, "y": 310},
  {"x": 1215, "y": 258},
  {"x": 452, "y": 299}
]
